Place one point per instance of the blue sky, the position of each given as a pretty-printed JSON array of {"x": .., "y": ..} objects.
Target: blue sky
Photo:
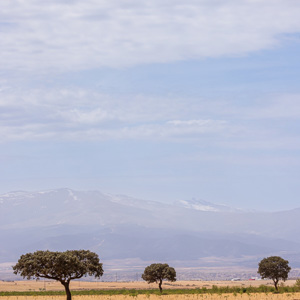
[{"x": 162, "y": 100}]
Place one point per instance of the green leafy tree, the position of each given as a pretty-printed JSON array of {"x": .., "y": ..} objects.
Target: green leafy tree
[
  {"x": 275, "y": 268},
  {"x": 60, "y": 266},
  {"x": 159, "y": 272}
]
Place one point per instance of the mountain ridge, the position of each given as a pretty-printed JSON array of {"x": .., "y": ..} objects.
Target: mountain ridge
[{"x": 123, "y": 227}]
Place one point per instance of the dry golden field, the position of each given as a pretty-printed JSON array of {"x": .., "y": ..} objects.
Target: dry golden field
[
  {"x": 261, "y": 296},
  {"x": 51, "y": 285},
  {"x": 81, "y": 285}
]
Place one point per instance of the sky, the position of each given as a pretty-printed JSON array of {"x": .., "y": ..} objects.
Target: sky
[{"x": 161, "y": 100}]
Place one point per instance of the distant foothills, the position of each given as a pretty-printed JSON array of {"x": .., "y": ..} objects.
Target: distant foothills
[{"x": 128, "y": 233}]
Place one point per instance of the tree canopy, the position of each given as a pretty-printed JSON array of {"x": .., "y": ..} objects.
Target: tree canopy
[
  {"x": 275, "y": 268},
  {"x": 60, "y": 266},
  {"x": 158, "y": 273}
]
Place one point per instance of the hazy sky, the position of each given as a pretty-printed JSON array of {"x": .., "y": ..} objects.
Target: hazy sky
[{"x": 161, "y": 100}]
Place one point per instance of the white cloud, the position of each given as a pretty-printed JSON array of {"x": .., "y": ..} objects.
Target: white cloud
[
  {"x": 87, "y": 115},
  {"x": 72, "y": 35},
  {"x": 81, "y": 115},
  {"x": 285, "y": 106},
  {"x": 192, "y": 123}
]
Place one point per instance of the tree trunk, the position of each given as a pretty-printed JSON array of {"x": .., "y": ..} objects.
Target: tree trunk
[
  {"x": 276, "y": 284},
  {"x": 159, "y": 285},
  {"x": 67, "y": 289}
]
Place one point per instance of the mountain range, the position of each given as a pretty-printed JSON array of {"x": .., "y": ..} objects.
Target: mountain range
[{"x": 122, "y": 228}]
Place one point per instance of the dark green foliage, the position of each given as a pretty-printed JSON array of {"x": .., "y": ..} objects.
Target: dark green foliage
[
  {"x": 275, "y": 268},
  {"x": 297, "y": 283},
  {"x": 60, "y": 266},
  {"x": 158, "y": 273}
]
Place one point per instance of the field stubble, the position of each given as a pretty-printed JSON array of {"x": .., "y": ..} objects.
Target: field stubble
[
  {"x": 41, "y": 285},
  {"x": 258, "y": 296},
  {"x": 51, "y": 285}
]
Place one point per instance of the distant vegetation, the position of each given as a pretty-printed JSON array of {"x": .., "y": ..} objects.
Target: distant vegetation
[{"x": 74, "y": 264}]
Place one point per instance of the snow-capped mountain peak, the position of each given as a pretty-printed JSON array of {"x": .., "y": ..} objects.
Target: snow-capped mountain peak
[{"x": 203, "y": 205}]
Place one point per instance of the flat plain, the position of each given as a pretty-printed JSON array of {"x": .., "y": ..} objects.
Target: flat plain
[
  {"x": 260, "y": 296},
  {"x": 51, "y": 285},
  {"x": 40, "y": 285}
]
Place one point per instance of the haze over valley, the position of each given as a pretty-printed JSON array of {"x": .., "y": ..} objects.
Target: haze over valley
[{"x": 130, "y": 232}]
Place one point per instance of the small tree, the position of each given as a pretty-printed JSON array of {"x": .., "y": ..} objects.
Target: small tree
[
  {"x": 60, "y": 266},
  {"x": 297, "y": 283},
  {"x": 158, "y": 273},
  {"x": 275, "y": 268}
]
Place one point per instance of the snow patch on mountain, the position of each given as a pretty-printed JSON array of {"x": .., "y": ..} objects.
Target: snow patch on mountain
[
  {"x": 134, "y": 202},
  {"x": 74, "y": 196},
  {"x": 203, "y": 205}
]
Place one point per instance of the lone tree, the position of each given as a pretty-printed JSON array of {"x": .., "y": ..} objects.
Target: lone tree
[
  {"x": 158, "y": 273},
  {"x": 275, "y": 268},
  {"x": 60, "y": 266}
]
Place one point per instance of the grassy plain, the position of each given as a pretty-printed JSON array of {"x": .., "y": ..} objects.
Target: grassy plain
[
  {"x": 51, "y": 285},
  {"x": 258, "y": 296},
  {"x": 183, "y": 286}
]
